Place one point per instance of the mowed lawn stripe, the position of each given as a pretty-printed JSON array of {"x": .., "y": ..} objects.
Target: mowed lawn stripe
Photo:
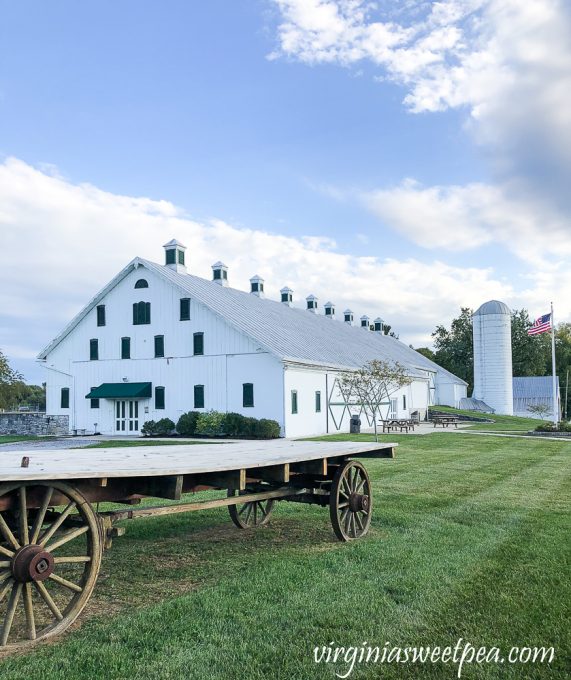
[{"x": 447, "y": 522}]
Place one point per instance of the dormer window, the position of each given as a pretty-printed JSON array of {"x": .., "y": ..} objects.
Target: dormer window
[
  {"x": 287, "y": 296},
  {"x": 174, "y": 256},
  {"x": 257, "y": 286},
  {"x": 311, "y": 303},
  {"x": 329, "y": 309},
  {"x": 220, "y": 273},
  {"x": 142, "y": 283}
]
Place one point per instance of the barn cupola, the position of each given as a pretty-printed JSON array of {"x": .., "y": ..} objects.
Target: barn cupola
[
  {"x": 348, "y": 317},
  {"x": 379, "y": 325},
  {"x": 365, "y": 321},
  {"x": 220, "y": 273},
  {"x": 174, "y": 256},
  {"x": 287, "y": 296},
  {"x": 329, "y": 308},
  {"x": 311, "y": 303},
  {"x": 257, "y": 286}
]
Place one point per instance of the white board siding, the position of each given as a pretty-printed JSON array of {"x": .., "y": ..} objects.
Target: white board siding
[
  {"x": 306, "y": 421},
  {"x": 178, "y": 371}
]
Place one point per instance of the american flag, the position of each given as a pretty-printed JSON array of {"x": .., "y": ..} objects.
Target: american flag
[{"x": 541, "y": 325}]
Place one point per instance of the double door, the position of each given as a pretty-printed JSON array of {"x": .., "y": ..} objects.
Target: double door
[{"x": 126, "y": 416}]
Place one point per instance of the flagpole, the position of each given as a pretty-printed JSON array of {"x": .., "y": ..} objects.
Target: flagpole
[{"x": 555, "y": 409}]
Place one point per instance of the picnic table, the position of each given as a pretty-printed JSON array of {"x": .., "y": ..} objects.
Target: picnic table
[
  {"x": 445, "y": 420},
  {"x": 53, "y": 533},
  {"x": 398, "y": 424}
]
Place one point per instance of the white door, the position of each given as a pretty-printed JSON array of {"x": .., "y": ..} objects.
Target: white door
[
  {"x": 126, "y": 416},
  {"x": 394, "y": 408}
]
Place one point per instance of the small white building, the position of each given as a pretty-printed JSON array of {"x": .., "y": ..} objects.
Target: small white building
[
  {"x": 535, "y": 391},
  {"x": 157, "y": 342}
]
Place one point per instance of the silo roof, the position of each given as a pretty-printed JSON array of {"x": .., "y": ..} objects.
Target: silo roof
[{"x": 493, "y": 307}]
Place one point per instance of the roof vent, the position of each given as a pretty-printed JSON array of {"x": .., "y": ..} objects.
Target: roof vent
[
  {"x": 257, "y": 286},
  {"x": 329, "y": 308},
  {"x": 365, "y": 321},
  {"x": 348, "y": 317},
  {"x": 311, "y": 303},
  {"x": 379, "y": 325},
  {"x": 287, "y": 296},
  {"x": 174, "y": 256},
  {"x": 220, "y": 273}
]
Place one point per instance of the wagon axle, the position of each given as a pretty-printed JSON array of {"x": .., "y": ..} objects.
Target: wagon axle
[{"x": 32, "y": 563}]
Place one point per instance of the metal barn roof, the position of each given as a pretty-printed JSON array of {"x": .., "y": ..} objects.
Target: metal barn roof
[{"x": 293, "y": 335}]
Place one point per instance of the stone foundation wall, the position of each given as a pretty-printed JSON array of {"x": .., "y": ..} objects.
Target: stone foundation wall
[{"x": 33, "y": 423}]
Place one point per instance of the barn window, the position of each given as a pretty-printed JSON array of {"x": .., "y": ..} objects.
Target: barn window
[
  {"x": 94, "y": 349},
  {"x": 318, "y": 402},
  {"x": 159, "y": 346},
  {"x": 247, "y": 395},
  {"x": 141, "y": 313},
  {"x": 404, "y": 402},
  {"x": 64, "y": 400},
  {"x": 101, "y": 315},
  {"x": 180, "y": 256},
  {"x": 170, "y": 256},
  {"x": 159, "y": 397},
  {"x": 94, "y": 402},
  {"x": 185, "y": 309},
  {"x": 199, "y": 396},
  {"x": 125, "y": 348},
  {"x": 142, "y": 283},
  {"x": 198, "y": 344},
  {"x": 294, "y": 401}
]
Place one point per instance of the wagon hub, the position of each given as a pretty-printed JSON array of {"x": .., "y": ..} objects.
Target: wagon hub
[
  {"x": 358, "y": 502},
  {"x": 32, "y": 563}
]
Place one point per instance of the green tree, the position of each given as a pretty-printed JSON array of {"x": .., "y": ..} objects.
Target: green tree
[
  {"x": 530, "y": 354},
  {"x": 563, "y": 361},
  {"x": 426, "y": 352},
  {"x": 8, "y": 380},
  {"x": 454, "y": 348}
]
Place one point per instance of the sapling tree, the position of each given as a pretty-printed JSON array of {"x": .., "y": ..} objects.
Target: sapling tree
[
  {"x": 540, "y": 409},
  {"x": 373, "y": 384}
]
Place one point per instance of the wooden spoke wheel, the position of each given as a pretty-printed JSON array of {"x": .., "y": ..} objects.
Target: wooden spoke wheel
[
  {"x": 50, "y": 554},
  {"x": 250, "y": 515},
  {"x": 351, "y": 501}
]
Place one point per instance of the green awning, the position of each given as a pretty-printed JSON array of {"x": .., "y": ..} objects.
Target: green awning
[{"x": 122, "y": 390}]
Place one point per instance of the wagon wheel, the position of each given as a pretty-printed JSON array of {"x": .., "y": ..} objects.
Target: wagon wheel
[
  {"x": 350, "y": 501},
  {"x": 49, "y": 560},
  {"x": 252, "y": 514}
]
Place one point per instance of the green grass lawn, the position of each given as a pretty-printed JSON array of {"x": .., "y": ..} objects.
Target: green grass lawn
[
  {"x": 10, "y": 438},
  {"x": 470, "y": 539},
  {"x": 501, "y": 423}
]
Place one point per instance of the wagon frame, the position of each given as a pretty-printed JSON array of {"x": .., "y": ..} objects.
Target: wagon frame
[{"x": 53, "y": 534}]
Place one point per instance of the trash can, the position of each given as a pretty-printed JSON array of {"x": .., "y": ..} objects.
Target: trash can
[{"x": 355, "y": 425}]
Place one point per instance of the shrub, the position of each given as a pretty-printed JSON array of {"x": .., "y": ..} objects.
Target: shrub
[
  {"x": 210, "y": 424},
  {"x": 550, "y": 427},
  {"x": 267, "y": 429},
  {"x": 164, "y": 427},
  {"x": 233, "y": 424},
  {"x": 149, "y": 428},
  {"x": 187, "y": 423}
]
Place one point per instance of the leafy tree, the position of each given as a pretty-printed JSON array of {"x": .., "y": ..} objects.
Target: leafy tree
[
  {"x": 540, "y": 409},
  {"x": 563, "y": 361},
  {"x": 8, "y": 379},
  {"x": 426, "y": 352},
  {"x": 530, "y": 354},
  {"x": 373, "y": 384},
  {"x": 454, "y": 349}
]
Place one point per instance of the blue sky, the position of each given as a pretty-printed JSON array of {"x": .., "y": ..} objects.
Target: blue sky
[{"x": 373, "y": 127}]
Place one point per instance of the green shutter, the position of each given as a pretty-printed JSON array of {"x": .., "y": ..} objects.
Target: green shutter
[
  {"x": 181, "y": 256},
  {"x": 318, "y": 402},
  {"x": 93, "y": 350},
  {"x": 185, "y": 309},
  {"x": 159, "y": 397},
  {"x": 247, "y": 395},
  {"x": 159, "y": 345},
  {"x": 64, "y": 403},
  {"x": 125, "y": 348},
  {"x": 101, "y": 315},
  {"x": 141, "y": 313},
  {"x": 170, "y": 256},
  {"x": 294, "y": 401},
  {"x": 199, "y": 396},
  {"x": 198, "y": 344}
]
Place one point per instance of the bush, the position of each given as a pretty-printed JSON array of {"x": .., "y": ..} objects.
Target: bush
[
  {"x": 164, "y": 427},
  {"x": 210, "y": 424},
  {"x": 233, "y": 424},
  {"x": 186, "y": 425},
  {"x": 267, "y": 429},
  {"x": 149, "y": 428},
  {"x": 550, "y": 427}
]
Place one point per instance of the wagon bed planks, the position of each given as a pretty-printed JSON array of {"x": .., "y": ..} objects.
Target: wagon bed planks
[{"x": 175, "y": 460}]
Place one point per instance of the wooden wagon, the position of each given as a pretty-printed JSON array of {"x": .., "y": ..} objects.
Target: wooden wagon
[{"x": 53, "y": 531}]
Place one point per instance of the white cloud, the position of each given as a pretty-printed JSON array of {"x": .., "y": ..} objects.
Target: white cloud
[
  {"x": 458, "y": 218},
  {"x": 60, "y": 243}
]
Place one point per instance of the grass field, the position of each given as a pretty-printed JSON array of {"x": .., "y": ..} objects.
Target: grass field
[
  {"x": 501, "y": 423},
  {"x": 470, "y": 539},
  {"x": 10, "y": 438}
]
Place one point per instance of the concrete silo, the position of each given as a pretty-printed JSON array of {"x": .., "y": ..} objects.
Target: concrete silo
[{"x": 493, "y": 380}]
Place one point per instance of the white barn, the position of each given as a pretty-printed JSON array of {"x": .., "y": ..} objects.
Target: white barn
[{"x": 157, "y": 342}]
